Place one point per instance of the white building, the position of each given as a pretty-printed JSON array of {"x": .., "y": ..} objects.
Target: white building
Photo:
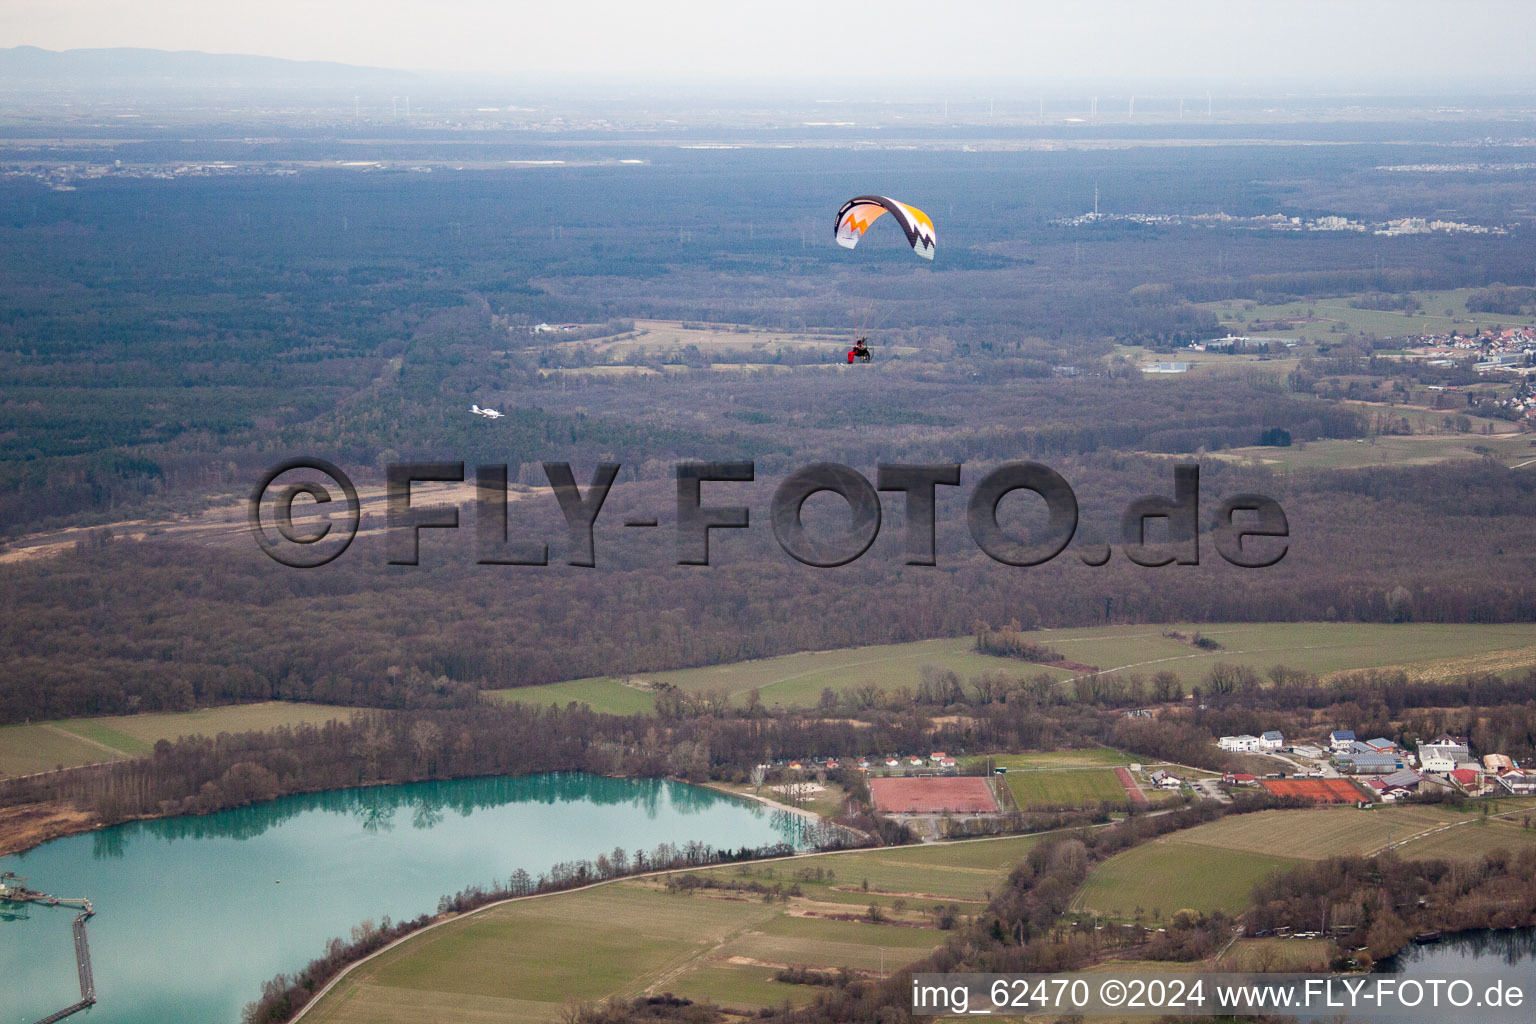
[
  {"x": 1442, "y": 757},
  {"x": 1341, "y": 740},
  {"x": 1243, "y": 744},
  {"x": 1272, "y": 740}
]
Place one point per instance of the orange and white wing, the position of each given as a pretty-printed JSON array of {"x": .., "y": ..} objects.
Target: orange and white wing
[{"x": 858, "y": 213}]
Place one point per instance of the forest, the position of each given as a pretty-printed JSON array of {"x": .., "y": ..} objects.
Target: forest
[{"x": 166, "y": 341}]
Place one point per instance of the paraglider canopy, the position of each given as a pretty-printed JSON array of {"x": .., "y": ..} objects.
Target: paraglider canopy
[{"x": 860, "y": 212}]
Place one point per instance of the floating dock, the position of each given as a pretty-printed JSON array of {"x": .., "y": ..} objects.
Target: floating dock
[{"x": 13, "y": 891}]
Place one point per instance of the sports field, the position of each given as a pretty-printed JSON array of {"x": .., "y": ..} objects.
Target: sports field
[
  {"x": 965, "y": 795},
  {"x": 1066, "y": 787},
  {"x": 44, "y": 746},
  {"x": 1322, "y": 791},
  {"x": 1091, "y": 757},
  {"x": 797, "y": 680},
  {"x": 524, "y": 961}
]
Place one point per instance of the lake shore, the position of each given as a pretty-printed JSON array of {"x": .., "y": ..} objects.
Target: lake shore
[{"x": 25, "y": 826}]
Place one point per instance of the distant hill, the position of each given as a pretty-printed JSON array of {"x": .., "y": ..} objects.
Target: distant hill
[{"x": 30, "y": 67}]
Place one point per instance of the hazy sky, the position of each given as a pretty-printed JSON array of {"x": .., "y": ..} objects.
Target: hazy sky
[{"x": 1149, "y": 40}]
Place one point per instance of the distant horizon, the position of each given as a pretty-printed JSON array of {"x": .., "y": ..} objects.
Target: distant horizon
[
  {"x": 862, "y": 88},
  {"x": 1398, "y": 45}
]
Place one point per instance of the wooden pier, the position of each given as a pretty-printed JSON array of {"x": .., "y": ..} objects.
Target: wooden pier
[{"x": 12, "y": 891}]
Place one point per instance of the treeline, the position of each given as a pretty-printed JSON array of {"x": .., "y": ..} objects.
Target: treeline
[
  {"x": 198, "y": 775},
  {"x": 1380, "y": 904},
  {"x": 1009, "y": 642}
]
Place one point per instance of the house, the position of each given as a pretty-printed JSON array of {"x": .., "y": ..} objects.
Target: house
[
  {"x": 1244, "y": 744},
  {"x": 1442, "y": 757},
  {"x": 864, "y": 764},
  {"x": 1495, "y": 763},
  {"x": 1406, "y": 779},
  {"x": 1371, "y": 764},
  {"x": 1340, "y": 740},
  {"x": 1379, "y": 787},
  {"x": 891, "y": 762},
  {"x": 1382, "y": 745},
  {"x": 1468, "y": 779},
  {"x": 1163, "y": 780},
  {"x": 948, "y": 762},
  {"x": 1394, "y": 787},
  {"x": 1239, "y": 779},
  {"x": 831, "y": 764},
  {"x": 1272, "y": 740},
  {"x": 794, "y": 766},
  {"x": 915, "y": 762},
  {"x": 1517, "y": 782},
  {"x": 937, "y": 756}
]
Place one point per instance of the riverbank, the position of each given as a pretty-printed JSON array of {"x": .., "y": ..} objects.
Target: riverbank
[{"x": 25, "y": 826}]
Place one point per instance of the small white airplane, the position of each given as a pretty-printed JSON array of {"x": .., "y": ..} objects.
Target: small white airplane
[{"x": 490, "y": 414}]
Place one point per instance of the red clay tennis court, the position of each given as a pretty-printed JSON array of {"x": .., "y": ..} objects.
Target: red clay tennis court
[
  {"x": 1128, "y": 782},
  {"x": 963, "y": 795},
  {"x": 1323, "y": 791}
]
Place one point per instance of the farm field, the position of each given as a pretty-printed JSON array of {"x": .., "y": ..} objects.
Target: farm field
[
  {"x": 1412, "y": 450},
  {"x": 671, "y": 338},
  {"x": 1219, "y": 863},
  {"x": 523, "y": 961},
  {"x": 1163, "y": 877},
  {"x": 603, "y": 694},
  {"x": 797, "y": 680},
  {"x": 1330, "y": 311},
  {"x": 43, "y": 746}
]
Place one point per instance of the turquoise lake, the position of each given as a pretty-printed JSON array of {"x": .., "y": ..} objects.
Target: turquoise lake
[{"x": 193, "y": 914}]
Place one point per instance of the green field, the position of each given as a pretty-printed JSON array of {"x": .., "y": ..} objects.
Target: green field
[
  {"x": 25, "y": 749},
  {"x": 1436, "y": 649},
  {"x": 44, "y": 746},
  {"x": 1328, "y": 312},
  {"x": 1093, "y": 757},
  {"x": 793, "y": 679},
  {"x": 1077, "y": 788},
  {"x": 523, "y": 961},
  {"x": 1216, "y": 865},
  {"x": 604, "y": 694},
  {"x": 1164, "y": 876},
  {"x": 669, "y": 339},
  {"x": 1412, "y": 450},
  {"x": 798, "y": 679}
]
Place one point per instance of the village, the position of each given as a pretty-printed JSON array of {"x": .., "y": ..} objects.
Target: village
[
  {"x": 1498, "y": 350},
  {"x": 1378, "y": 769},
  {"x": 931, "y": 791}
]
